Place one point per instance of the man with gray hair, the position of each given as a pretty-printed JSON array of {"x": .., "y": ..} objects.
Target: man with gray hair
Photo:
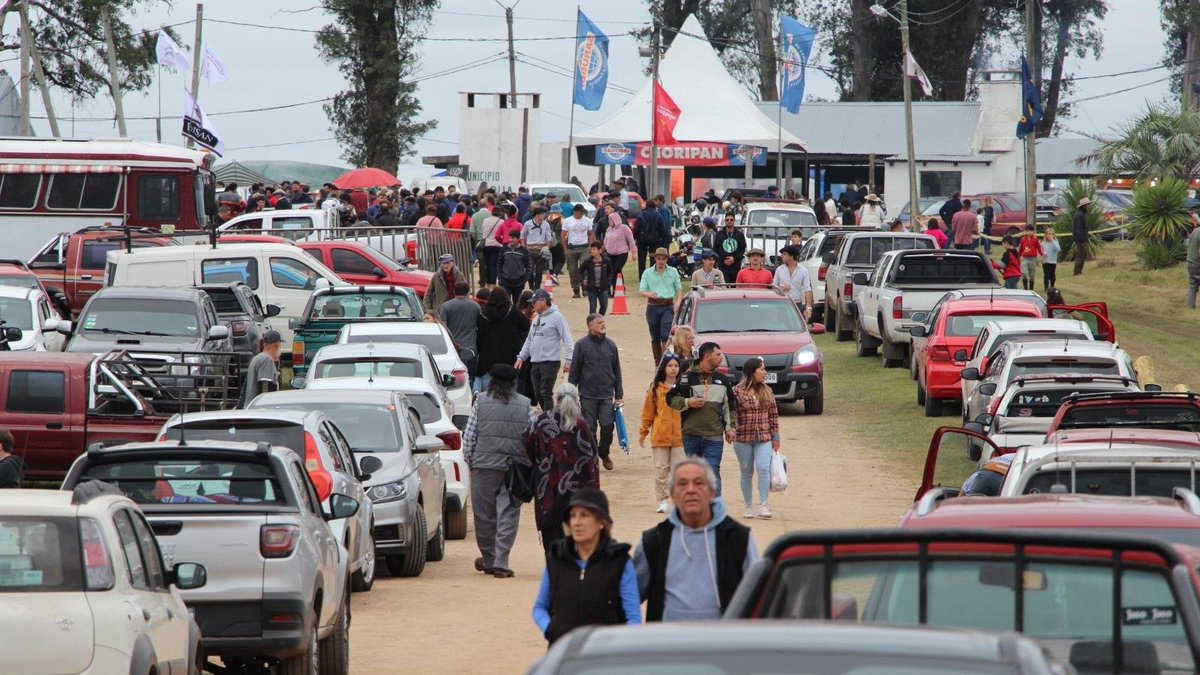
[
  {"x": 596, "y": 370},
  {"x": 692, "y": 576}
]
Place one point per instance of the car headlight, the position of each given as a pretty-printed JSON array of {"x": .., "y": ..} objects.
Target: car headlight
[
  {"x": 388, "y": 492},
  {"x": 807, "y": 355}
]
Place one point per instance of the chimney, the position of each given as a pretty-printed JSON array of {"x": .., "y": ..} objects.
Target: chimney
[{"x": 999, "y": 108}]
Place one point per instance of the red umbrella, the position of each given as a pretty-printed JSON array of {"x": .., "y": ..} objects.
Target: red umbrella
[{"x": 366, "y": 178}]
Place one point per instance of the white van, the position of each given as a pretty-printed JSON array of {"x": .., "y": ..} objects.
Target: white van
[{"x": 281, "y": 274}]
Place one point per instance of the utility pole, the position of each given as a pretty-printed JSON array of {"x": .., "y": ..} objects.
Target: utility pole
[
  {"x": 914, "y": 200},
  {"x": 1191, "y": 69},
  {"x": 196, "y": 59},
  {"x": 114, "y": 79},
  {"x": 512, "y": 89},
  {"x": 1031, "y": 49},
  {"x": 37, "y": 69},
  {"x": 26, "y": 129}
]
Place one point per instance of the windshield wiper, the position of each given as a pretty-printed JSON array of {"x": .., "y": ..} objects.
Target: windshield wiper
[{"x": 118, "y": 331}]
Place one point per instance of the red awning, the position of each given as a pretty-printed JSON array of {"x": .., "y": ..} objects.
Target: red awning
[{"x": 61, "y": 168}]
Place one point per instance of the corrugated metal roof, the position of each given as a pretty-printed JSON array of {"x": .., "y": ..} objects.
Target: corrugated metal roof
[
  {"x": 940, "y": 129},
  {"x": 1059, "y": 156}
]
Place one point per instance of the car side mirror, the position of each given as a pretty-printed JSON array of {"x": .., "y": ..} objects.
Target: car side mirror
[
  {"x": 976, "y": 427},
  {"x": 861, "y": 279},
  {"x": 987, "y": 388},
  {"x": 187, "y": 576},
  {"x": 1152, "y": 387},
  {"x": 341, "y": 506},
  {"x": 293, "y": 324},
  {"x": 460, "y": 421},
  {"x": 379, "y": 274},
  {"x": 919, "y": 317},
  {"x": 218, "y": 332},
  {"x": 985, "y": 419},
  {"x": 369, "y": 465},
  {"x": 917, "y": 331},
  {"x": 817, "y": 329},
  {"x": 960, "y": 355},
  {"x": 427, "y": 444},
  {"x": 274, "y": 310},
  {"x": 298, "y": 382},
  {"x": 447, "y": 380},
  {"x": 970, "y": 374},
  {"x": 12, "y": 334}
]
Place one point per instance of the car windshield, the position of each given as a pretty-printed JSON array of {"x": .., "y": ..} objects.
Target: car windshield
[
  {"x": 785, "y": 659},
  {"x": 748, "y": 316},
  {"x": 19, "y": 281},
  {"x": 142, "y": 315},
  {"x": 361, "y": 306},
  {"x": 436, "y": 344},
  {"x": 190, "y": 480},
  {"x": 375, "y": 366},
  {"x": 969, "y": 325},
  {"x": 780, "y": 218},
  {"x": 1113, "y": 481},
  {"x": 1037, "y": 403},
  {"x": 1063, "y": 365},
  {"x": 368, "y": 427},
  {"x": 1032, "y": 337},
  {"x": 225, "y": 300},
  {"x": 934, "y": 208},
  {"x": 574, "y": 194},
  {"x": 16, "y": 313},
  {"x": 39, "y": 554},
  {"x": 1182, "y": 417},
  {"x": 942, "y": 268}
]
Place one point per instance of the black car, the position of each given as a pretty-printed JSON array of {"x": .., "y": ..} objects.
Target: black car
[{"x": 243, "y": 313}]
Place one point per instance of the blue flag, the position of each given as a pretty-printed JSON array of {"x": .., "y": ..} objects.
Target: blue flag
[
  {"x": 1031, "y": 103},
  {"x": 797, "y": 45},
  {"x": 591, "y": 64}
]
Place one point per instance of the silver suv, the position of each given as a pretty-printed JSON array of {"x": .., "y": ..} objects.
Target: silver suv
[{"x": 278, "y": 583}]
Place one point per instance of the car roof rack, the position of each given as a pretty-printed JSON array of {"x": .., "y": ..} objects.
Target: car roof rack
[
  {"x": 1108, "y": 395},
  {"x": 702, "y": 290},
  {"x": 89, "y": 490},
  {"x": 1076, "y": 378}
]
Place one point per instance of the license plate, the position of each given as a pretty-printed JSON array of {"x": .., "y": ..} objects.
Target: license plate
[{"x": 771, "y": 378}]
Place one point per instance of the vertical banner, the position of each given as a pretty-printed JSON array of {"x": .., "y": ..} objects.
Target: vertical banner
[
  {"x": 913, "y": 71},
  {"x": 666, "y": 116},
  {"x": 197, "y": 127},
  {"x": 591, "y": 64},
  {"x": 797, "y": 45},
  {"x": 1031, "y": 103}
]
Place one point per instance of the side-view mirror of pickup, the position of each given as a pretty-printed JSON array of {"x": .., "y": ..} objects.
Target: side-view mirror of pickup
[
  {"x": 57, "y": 326},
  {"x": 427, "y": 444},
  {"x": 12, "y": 334},
  {"x": 970, "y": 374},
  {"x": 447, "y": 380},
  {"x": 987, "y": 388},
  {"x": 379, "y": 273},
  {"x": 917, "y": 331},
  {"x": 187, "y": 576},
  {"x": 218, "y": 332},
  {"x": 274, "y": 310},
  {"x": 341, "y": 506},
  {"x": 861, "y": 279}
]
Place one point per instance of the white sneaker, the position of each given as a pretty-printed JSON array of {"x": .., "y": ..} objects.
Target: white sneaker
[
  {"x": 749, "y": 513},
  {"x": 763, "y": 511},
  {"x": 664, "y": 506}
]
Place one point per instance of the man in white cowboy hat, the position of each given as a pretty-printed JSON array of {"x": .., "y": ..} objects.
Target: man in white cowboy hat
[
  {"x": 871, "y": 215},
  {"x": 1079, "y": 234}
]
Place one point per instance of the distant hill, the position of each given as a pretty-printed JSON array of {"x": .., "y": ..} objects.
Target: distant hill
[{"x": 305, "y": 172}]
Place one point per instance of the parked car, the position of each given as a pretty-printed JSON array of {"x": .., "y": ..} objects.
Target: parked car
[
  {"x": 923, "y": 204},
  {"x": 1008, "y": 211},
  {"x": 359, "y": 263},
  {"x": 768, "y": 223},
  {"x": 370, "y": 360},
  {"x": 407, "y": 488},
  {"x": 17, "y": 274},
  {"x": 953, "y": 325},
  {"x": 1125, "y": 410},
  {"x": 756, "y": 321},
  {"x": 859, "y": 252},
  {"x": 573, "y": 191},
  {"x": 778, "y": 647},
  {"x": 329, "y": 309},
  {"x": 85, "y": 589},
  {"x": 278, "y": 592},
  {"x": 434, "y": 337},
  {"x": 327, "y": 458},
  {"x": 243, "y": 313},
  {"x": 813, "y": 260},
  {"x": 30, "y": 310},
  {"x": 437, "y": 414}
]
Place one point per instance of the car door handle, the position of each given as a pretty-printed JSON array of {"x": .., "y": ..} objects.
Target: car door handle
[
  {"x": 146, "y": 614},
  {"x": 54, "y": 425},
  {"x": 85, "y": 277}
]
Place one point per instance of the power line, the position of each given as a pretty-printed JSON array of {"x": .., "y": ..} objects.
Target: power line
[
  {"x": 424, "y": 38},
  {"x": 321, "y": 140},
  {"x": 1114, "y": 93}
]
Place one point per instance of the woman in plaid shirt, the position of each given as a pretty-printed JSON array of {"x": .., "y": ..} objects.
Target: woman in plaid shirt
[{"x": 757, "y": 433}]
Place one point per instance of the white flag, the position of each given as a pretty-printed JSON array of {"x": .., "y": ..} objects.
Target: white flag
[
  {"x": 197, "y": 127},
  {"x": 913, "y": 71},
  {"x": 170, "y": 54},
  {"x": 211, "y": 69}
]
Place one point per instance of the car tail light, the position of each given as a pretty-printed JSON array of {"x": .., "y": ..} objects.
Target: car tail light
[
  {"x": 453, "y": 441},
  {"x": 848, "y": 289},
  {"x": 297, "y": 352},
  {"x": 316, "y": 468},
  {"x": 898, "y": 307},
  {"x": 239, "y": 328},
  {"x": 457, "y": 473},
  {"x": 460, "y": 376},
  {"x": 97, "y": 564},
  {"x": 821, "y": 272},
  {"x": 940, "y": 353},
  {"x": 277, "y": 541}
]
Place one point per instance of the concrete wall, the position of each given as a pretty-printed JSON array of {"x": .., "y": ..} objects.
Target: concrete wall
[
  {"x": 1004, "y": 174},
  {"x": 490, "y": 140}
]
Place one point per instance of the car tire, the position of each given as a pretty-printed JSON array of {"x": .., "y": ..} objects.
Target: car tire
[
  {"x": 364, "y": 578},
  {"x": 308, "y": 663},
  {"x": 887, "y": 350},
  {"x": 912, "y": 367},
  {"x": 933, "y": 406},
  {"x": 456, "y": 524},
  {"x": 335, "y": 649},
  {"x": 846, "y": 331},
  {"x": 815, "y": 405},
  {"x": 437, "y": 545},
  {"x": 411, "y": 564},
  {"x": 920, "y": 394},
  {"x": 860, "y": 344}
]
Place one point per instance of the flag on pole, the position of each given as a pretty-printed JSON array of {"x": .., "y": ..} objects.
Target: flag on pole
[
  {"x": 197, "y": 127},
  {"x": 666, "y": 115},
  {"x": 913, "y": 72},
  {"x": 170, "y": 54},
  {"x": 591, "y": 64},
  {"x": 797, "y": 45},
  {"x": 1031, "y": 103},
  {"x": 212, "y": 69}
]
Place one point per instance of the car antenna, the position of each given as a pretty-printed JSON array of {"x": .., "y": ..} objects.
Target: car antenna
[{"x": 182, "y": 426}]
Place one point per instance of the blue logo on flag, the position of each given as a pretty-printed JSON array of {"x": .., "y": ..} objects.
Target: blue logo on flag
[{"x": 797, "y": 45}]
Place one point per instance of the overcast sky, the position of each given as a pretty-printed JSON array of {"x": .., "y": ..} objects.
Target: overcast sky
[{"x": 273, "y": 67}]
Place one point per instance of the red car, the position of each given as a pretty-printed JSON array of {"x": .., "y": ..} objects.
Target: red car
[
  {"x": 1118, "y": 411},
  {"x": 358, "y": 263},
  {"x": 954, "y": 326},
  {"x": 749, "y": 321}
]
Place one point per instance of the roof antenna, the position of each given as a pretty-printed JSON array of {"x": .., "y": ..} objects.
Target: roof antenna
[{"x": 1066, "y": 343}]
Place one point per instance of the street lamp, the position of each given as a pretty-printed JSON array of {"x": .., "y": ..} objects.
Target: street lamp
[{"x": 913, "y": 197}]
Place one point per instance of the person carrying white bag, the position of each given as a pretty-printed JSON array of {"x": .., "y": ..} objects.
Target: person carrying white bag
[{"x": 757, "y": 437}]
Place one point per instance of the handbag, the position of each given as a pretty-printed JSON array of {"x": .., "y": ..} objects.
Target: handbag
[
  {"x": 779, "y": 479},
  {"x": 518, "y": 480}
]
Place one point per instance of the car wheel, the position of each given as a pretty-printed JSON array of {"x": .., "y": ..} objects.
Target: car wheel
[
  {"x": 815, "y": 405},
  {"x": 830, "y": 318},
  {"x": 920, "y": 394},
  {"x": 335, "y": 649},
  {"x": 933, "y": 406},
  {"x": 456, "y": 523},
  {"x": 860, "y": 344},
  {"x": 308, "y": 663},
  {"x": 887, "y": 351},
  {"x": 364, "y": 578},
  {"x": 411, "y": 564},
  {"x": 847, "y": 329},
  {"x": 437, "y": 546}
]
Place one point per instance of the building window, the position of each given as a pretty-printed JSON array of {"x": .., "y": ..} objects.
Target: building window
[{"x": 940, "y": 183}]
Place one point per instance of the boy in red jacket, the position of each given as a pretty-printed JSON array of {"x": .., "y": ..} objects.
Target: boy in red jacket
[
  {"x": 1010, "y": 264},
  {"x": 1030, "y": 249}
]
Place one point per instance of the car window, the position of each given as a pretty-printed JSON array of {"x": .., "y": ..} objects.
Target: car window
[
  {"x": 288, "y": 273},
  {"x": 42, "y": 554},
  {"x": 860, "y": 252},
  {"x": 150, "y": 552},
  {"x": 416, "y": 427},
  {"x": 300, "y": 482},
  {"x": 1036, "y": 403},
  {"x": 1062, "y": 365},
  {"x": 193, "y": 481},
  {"x": 133, "y": 555},
  {"x": 225, "y": 270},
  {"x": 427, "y": 406},
  {"x": 16, "y": 313},
  {"x": 225, "y": 300},
  {"x": 966, "y": 325},
  {"x": 257, "y": 311},
  {"x": 980, "y": 340},
  {"x": 36, "y": 391},
  {"x": 342, "y": 447},
  {"x": 1118, "y": 481},
  {"x": 1179, "y": 416},
  {"x": 327, "y": 438},
  {"x": 351, "y": 262},
  {"x": 376, "y": 366},
  {"x": 436, "y": 344},
  {"x": 336, "y": 307},
  {"x": 829, "y": 243},
  {"x": 118, "y": 316}
]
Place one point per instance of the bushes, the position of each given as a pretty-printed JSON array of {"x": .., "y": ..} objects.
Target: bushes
[
  {"x": 1157, "y": 255},
  {"x": 1076, "y": 190},
  {"x": 1159, "y": 220}
]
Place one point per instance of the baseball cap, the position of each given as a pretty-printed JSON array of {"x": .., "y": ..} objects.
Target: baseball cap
[
  {"x": 790, "y": 250},
  {"x": 708, "y": 255},
  {"x": 272, "y": 337},
  {"x": 542, "y": 294},
  {"x": 445, "y": 258},
  {"x": 591, "y": 499}
]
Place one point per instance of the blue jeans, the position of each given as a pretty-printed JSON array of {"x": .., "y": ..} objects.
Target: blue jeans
[
  {"x": 708, "y": 448},
  {"x": 753, "y": 456},
  {"x": 482, "y": 381},
  {"x": 659, "y": 319}
]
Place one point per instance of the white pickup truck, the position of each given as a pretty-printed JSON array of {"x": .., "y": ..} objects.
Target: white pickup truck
[
  {"x": 857, "y": 251},
  {"x": 901, "y": 290},
  {"x": 319, "y": 225}
]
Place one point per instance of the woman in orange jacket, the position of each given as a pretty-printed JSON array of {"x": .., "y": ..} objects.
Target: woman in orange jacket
[{"x": 661, "y": 422}]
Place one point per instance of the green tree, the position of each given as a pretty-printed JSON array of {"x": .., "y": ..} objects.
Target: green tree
[
  {"x": 70, "y": 36},
  {"x": 1162, "y": 143},
  {"x": 375, "y": 42},
  {"x": 1065, "y": 28}
]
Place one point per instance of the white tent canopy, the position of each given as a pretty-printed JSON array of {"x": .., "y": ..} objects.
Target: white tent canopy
[{"x": 714, "y": 107}]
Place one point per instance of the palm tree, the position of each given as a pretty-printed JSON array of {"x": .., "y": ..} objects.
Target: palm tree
[{"x": 1164, "y": 142}]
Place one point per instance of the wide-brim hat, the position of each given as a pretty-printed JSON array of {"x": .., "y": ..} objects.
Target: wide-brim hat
[
  {"x": 873, "y": 197},
  {"x": 661, "y": 251},
  {"x": 1084, "y": 202},
  {"x": 756, "y": 251},
  {"x": 592, "y": 499}
]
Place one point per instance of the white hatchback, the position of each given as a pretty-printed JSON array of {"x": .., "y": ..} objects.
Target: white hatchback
[
  {"x": 42, "y": 329},
  {"x": 436, "y": 339},
  {"x": 84, "y": 589}
]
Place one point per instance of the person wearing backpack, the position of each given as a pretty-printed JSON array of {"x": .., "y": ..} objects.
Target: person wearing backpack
[
  {"x": 648, "y": 232},
  {"x": 514, "y": 268}
]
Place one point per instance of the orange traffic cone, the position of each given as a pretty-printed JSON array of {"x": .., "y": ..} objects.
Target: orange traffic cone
[
  {"x": 618, "y": 301},
  {"x": 548, "y": 283}
]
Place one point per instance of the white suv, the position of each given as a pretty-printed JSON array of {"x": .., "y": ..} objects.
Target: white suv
[{"x": 83, "y": 587}]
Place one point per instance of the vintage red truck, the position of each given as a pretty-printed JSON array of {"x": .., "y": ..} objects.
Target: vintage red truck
[{"x": 72, "y": 263}]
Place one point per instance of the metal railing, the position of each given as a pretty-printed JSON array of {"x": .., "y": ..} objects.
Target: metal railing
[{"x": 132, "y": 384}]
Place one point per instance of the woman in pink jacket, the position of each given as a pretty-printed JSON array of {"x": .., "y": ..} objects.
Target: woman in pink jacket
[
  {"x": 618, "y": 241},
  {"x": 509, "y": 226}
]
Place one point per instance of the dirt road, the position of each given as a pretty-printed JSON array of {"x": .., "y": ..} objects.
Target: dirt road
[{"x": 453, "y": 619}]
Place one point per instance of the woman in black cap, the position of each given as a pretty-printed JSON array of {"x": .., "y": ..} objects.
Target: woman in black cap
[{"x": 589, "y": 578}]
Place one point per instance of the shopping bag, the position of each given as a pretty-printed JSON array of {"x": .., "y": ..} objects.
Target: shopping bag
[
  {"x": 622, "y": 431},
  {"x": 779, "y": 479}
]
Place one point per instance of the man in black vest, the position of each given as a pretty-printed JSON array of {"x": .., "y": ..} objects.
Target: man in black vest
[{"x": 691, "y": 575}]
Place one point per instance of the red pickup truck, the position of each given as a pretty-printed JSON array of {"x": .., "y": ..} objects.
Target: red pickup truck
[{"x": 57, "y": 404}]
